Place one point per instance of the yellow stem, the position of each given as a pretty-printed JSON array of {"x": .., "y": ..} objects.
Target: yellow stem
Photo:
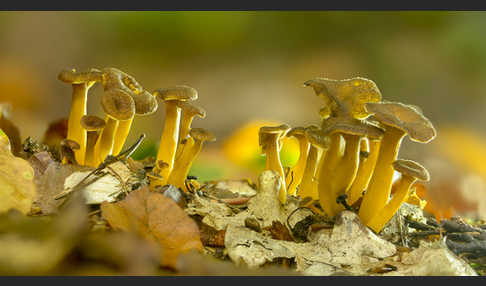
[
  {"x": 295, "y": 175},
  {"x": 327, "y": 175},
  {"x": 104, "y": 146},
  {"x": 308, "y": 186},
  {"x": 168, "y": 141},
  {"x": 183, "y": 164},
  {"x": 75, "y": 131},
  {"x": 121, "y": 135},
  {"x": 90, "y": 148},
  {"x": 184, "y": 131},
  {"x": 273, "y": 163},
  {"x": 379, "y": 188},
  {"x": 386, "y": 213},
  {"x": 365, "y": 170},
  {"x": 348, "y": 166}
]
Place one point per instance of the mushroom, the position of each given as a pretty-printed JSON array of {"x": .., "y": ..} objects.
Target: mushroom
[
  {"x": 338, "y": 172},
  {"x": 170, "y": 135},
  {"x": 193, "y": 147},
  {"x": 93, "y": 126},
  {"x": 411, "y": 172},
  {"x": 81, "y": 82},
  {"x": 145, "y": 103},
  {"x": 398, "y": 120},
  {"x": 346, "y": 96},
  {"x": 118, "y": 106},
  {"x": 188, "y": 112},
  {"x": 68, "y": 147},
  {"x": 269, "y": 141},
  {"x": 297, "y": 171},
  {"x": 365, "y": 168},
  {"x": 319, "y": 144}
]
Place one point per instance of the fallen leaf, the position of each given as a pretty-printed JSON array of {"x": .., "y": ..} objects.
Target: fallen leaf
[
  {"x": 17, "y": 188},
  {"x": 156, "y": 218},
  {"x": 279, "y": 231}
]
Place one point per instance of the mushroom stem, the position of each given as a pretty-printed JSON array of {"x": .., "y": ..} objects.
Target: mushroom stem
[
  {"x": 104, "y": 146},
  {"x": 168, "y": 141},
  {"x": 348, "y": 166},
  {"x": 365, "y": 170},
  {"x": 121, "y": 135},
  {"x": 273, "y": 163},
  {"x": 92, "y": 137},
  {"x": 297, "y": 171},
  {"x": 308, "y": 185},
  {"x": 327, "y": 176},
  {"x": 186, "y": 121},
  {"x": 379, "y": 187},
  {"x": 377, "y": 222},
  {"x": 183, "y": 164},
  {"x": 78, "y": 109}
]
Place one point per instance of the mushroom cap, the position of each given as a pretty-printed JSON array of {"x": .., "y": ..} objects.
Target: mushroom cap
[
  {"x": 411, "y": 168},
  {"x": 118, "y": 104},
  {"x": 318, "y": 138},
  {"x": 351, "y": 126},
  {"x": 270, "y": 133},
  {"x": 116, "y": 79},
  {"x": 145, "y": 103},
  {"x": 201, "y": 134},
  {"x": 297, "y": 132},
  {"x": 71, "y": 144},
  {"x": 92, "y": 123},
  {"x": 191, "y": 109},
  {"x": 75, "y": 77},
  {"x": 404, "y": 117},
  {"x": 178, "y": 92},
  {"x": 348, "y": 95}
]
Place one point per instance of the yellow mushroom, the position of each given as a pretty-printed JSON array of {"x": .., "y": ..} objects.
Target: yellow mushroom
[
  {"x": 145, "y": 102},
  {"x": 170, "y": 135},
  {"x": 81, "y": 82},
  {"x": 294, "y": 177},
  {"x": 93, "y": 126},
  {"x": 193, "y": 147},
  {"x": 118, "y": 106},
  {"x": 319, "y": 144},
  {"x": 398, "y": 120},
  {"x": 411, "y": 172},
  {"x": 365, "y": 170},
  {"x": 269, "y": 140},
  {"x": 188, "y": 112},
  {"x": 338, "y": 172}
]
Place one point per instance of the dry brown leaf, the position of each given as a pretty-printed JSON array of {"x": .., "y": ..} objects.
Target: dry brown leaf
[
  {"x": 17, "y": 188},
  {"x": 156, "y": 218}
]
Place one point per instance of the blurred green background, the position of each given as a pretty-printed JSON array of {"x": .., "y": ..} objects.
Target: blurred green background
[{"x": 247, "y": 65}]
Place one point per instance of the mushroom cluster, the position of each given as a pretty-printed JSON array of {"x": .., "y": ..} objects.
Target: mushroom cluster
[
  {"x": 90, "y": 139},
  {"x": 351, "y": 158}
]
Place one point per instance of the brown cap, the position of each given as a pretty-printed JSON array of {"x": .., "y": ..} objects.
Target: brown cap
[
  {"x": 178, "y": 92},
  {"x": 118, "y": 104},
  {"x": 317, "y": 138},
  {"x": 92, "y": 123},
  {"x": 403, "y": 117},
  {"x": 267, "y": 133},
  {"x": 347, "y": 95},
  {"x": 200, "y": 134},
  {"x": 191, "y": 109},
  {"x": 411, "y": 168},
  {"x": 116, "y": 79},
  {"x": 75, "y": 77},
  {"x": 145, "y": 103},
  {"x": 71, "y": 144},
  {"x": 297, "y": 132},
  {"x": 351, "y": 126}
]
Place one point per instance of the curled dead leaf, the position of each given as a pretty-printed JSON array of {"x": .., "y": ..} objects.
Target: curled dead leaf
[{"x": 156, "y": 218}]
